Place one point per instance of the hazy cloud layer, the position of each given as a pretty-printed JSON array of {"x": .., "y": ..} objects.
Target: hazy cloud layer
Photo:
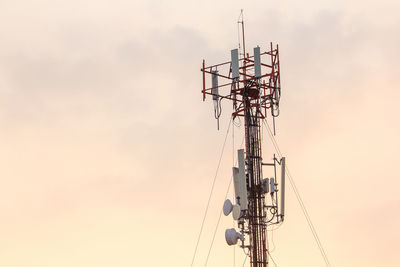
[{"x": 108, "y": 152}]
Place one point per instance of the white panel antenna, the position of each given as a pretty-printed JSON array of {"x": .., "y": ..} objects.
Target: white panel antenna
[
  {"x": 277, "y": 91},
  {"x": 235, "y": 63},
  {"x": 283, "y": 166},
  {"x": 242, "y": 181},
  {"x": 236, "y": 212},
  {"x": 257, "y": 62},
  {"x": 236, "y": 183},
  {"x": 214, "y": 91},
  {"x": 265, "y": 185},
  {"x": 214, "y": 83},
  {"x": 272, "y": 185}
]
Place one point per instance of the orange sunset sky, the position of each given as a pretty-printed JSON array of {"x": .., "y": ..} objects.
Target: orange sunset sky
[{"x": 108, "y": 153}]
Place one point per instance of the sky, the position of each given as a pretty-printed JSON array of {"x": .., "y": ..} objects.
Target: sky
[{"x": 108, "y": 152}]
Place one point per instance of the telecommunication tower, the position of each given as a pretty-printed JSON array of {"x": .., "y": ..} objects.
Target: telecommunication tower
[{"x": 253, "y": 85}]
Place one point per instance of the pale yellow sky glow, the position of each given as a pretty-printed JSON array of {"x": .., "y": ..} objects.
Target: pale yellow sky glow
[{"x": 108, "y": 152}]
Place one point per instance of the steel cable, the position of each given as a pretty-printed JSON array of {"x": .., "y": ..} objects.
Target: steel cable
[
  {"x": 216, "y": 227},
  {"x": 220, "y": 214},
  {"x": 211, "y": 192},
  {"x": 299, "y": 199},
  {"x": 272, "y": 258},
  {"x": 244, "y": 262}
]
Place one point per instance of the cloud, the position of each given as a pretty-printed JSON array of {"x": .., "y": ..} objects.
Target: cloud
[{"x": 102, "y": 124}]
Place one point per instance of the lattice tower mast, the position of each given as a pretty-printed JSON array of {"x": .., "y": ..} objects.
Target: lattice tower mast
[{"x": 252, "y": 83}]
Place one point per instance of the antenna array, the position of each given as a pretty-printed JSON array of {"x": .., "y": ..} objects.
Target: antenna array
[{"x": 252, "y": 83}]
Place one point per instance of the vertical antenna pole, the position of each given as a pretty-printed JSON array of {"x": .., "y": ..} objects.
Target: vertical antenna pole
[
  {"x": 244, "y": 50},
  {"x": 244, "y": 44},
  {"x": 279, "y": 67},
  {"x": 204, "y": 80},
  {"x": 283, "y": 167}
]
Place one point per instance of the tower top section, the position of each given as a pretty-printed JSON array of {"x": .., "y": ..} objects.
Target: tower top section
[{"x": 253, "y": 78}]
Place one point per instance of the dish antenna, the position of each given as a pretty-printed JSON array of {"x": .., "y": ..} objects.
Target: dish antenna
[
  {"x": 232, "y": 237},
  {"x": 227, "y": 207}
]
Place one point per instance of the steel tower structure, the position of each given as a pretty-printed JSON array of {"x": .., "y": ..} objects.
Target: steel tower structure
[{"x": 252, "y": 83}]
